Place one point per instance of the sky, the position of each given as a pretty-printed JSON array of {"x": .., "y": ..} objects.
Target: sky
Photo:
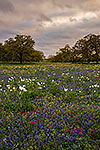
[{"x": 51, "y": 23}]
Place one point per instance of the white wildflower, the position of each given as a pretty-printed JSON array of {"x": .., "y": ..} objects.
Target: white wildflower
[
  {"x": 65, "y": 89},
  {"x": 22, "y": 80},
  {"x": 82, "y": 77},
  {"x": 8, "y": 86},
  {"x": 40, "y": 87},
  {"x": 22, "y": 88},
  {"x": 38, "y": 83},
  {"x": 96, "y": 85},
  {"x": 33, "y": 79}
]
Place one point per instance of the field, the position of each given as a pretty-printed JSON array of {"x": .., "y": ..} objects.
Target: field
[{"x": 50, "y": 106}]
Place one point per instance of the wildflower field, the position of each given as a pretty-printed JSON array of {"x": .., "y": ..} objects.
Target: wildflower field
[{"x": 50, "y": 106}]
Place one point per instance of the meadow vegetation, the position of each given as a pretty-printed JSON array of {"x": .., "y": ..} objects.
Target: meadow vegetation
[{"x": 50, "y": 106}]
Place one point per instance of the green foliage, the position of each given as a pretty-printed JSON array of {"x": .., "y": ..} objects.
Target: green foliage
[
  {"x": 85, "y": 50},
  {"x": 54, "y": 106},
  {"x": 1, "y": 52},
  {"x": 54, "y": 89},
  {"x": 21, "y": 48}
]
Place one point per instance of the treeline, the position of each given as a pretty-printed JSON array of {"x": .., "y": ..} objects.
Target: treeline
[
  {"x": 21, "y": 49},
  {"x": 85, "y": 50}
]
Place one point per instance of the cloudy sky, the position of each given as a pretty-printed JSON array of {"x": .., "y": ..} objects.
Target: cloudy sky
[{"x": 51, "y": 23}]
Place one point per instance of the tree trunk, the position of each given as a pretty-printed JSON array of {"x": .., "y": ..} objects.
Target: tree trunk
[
  {"x": 88, "y": 60},
  {"x": 20, "y": 58},
  {"x": 97, "y": 57},
  {"x": 97, "y": 60}
]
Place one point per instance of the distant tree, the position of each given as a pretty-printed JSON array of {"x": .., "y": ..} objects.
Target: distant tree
[
  {"x": 21, "y": 48},
  {"x": 1, "y": 52},
  {"x": 9, "y": 48},
  {"x": 87, "y": 48},
  {"x": 64, "y": 54},
  {"x": 82, "y": 51},
  {"x": 37, "y": 56},
  {"x": 93, "y": 44}
]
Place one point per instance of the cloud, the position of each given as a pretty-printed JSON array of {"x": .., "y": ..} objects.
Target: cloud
[
  {"x": 6, "y": 33},
  {"x": 51, "y": 23},
  {"x": 6, "y": 6}
]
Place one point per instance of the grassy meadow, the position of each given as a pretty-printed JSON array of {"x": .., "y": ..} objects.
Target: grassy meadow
[{"x": 50, "y": 106}]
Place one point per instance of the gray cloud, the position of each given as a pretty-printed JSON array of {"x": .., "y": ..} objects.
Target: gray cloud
[
  {"x": 6, "y": 6},
  {"x": 51, "y": 23},
  {"x": 6, "y": 33}
]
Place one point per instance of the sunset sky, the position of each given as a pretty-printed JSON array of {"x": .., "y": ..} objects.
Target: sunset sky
[{"x": 51, "y": 23}]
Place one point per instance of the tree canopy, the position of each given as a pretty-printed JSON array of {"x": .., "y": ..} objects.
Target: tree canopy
[
  {"x": 85, "y": 49},
  {"x": 21, "y": 48},
  {"x": 64, "y": 54}
]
